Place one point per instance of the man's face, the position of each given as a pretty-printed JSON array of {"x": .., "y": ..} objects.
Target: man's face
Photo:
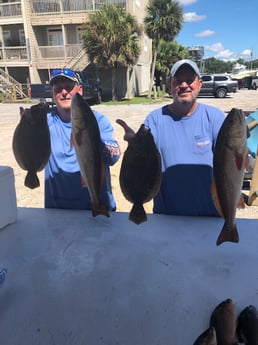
[
  {"x": 63, "y": 91},
  {"x": 185, "y": 85}
]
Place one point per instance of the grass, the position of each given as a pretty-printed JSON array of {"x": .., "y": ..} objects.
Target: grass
[{"x": 138, "y": 100}]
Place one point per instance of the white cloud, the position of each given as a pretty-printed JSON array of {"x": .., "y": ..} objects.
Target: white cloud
[
  {"x": 220, "y": 52},
  {"x": 246, "y": 53},
  {"x": 216, "y": 47},
  {"x": 226, "y": 54},
  {"x": 186, "y": 2},
  {"x": 205, "y": 33},
  {"x": 193, "y": 17}
]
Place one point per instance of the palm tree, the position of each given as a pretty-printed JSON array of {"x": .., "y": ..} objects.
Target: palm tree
[
  {"x": 164, "y": 20},
  {"x": 168, "y": 54},
  {"x": 111, "y": 39}
]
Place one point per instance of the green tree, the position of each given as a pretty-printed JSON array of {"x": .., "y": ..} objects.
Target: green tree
[
  {"x": 168, "y": 54},
  {"x": 163, "y": 20},
  {"x": 111, "y": 39},
  {"x": 213, "y": 65}
]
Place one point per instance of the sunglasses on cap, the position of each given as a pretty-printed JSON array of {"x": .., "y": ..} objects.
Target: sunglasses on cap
[{"x": 63, "y": 71}]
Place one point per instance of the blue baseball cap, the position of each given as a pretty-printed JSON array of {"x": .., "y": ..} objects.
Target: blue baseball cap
[
  {"x": 65, "y": 73},
  {"x": 180, "y": 63}
]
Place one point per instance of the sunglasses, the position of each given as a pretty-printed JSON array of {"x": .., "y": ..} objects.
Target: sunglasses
[{"x": 63, "y": 71}]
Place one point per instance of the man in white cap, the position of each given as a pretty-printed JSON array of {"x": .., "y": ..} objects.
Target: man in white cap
[
  {"x": 63, "y": 188},
  {"x": 185, "y": 133}
]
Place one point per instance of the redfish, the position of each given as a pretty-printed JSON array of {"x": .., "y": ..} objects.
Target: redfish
[
  {"x": 229, "y": 163},
  {"x": 85, "y": 138}
]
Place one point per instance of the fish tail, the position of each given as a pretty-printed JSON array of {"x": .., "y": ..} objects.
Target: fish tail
[
  {"x": 228, "y": 234},
  {"x": 31, "y": 180},
  {"x": 99, "y": 209},
  {"x": 138, "y": 214}
]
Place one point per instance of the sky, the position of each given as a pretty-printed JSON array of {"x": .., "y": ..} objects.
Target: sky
[{"x": 227, "y": 29}]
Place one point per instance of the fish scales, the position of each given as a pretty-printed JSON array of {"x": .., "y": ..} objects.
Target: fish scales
[
  {"x": 86, "y": 140},
  {"x": 31, "y": 142},
  {"x": 229, "y": 163},
  {"x": 140, "y": 173}
]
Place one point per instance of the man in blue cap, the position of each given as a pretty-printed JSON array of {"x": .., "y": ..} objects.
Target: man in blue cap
[{"x": 63, "y": 188}]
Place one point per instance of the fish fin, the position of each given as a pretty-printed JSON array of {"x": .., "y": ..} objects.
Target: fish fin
[
  {"x": 31, "y": 180},
  {"x": 228, "y": 234},
  {"x": 102, "y": 174},
  {"x": 129, "y": 132},
  {"x": 99, "y": 209},
  {"x": 239, "y": 159},
  {"x": 247, "y": 162},
  {"x": 83, "y": 182},
  {"x": 22, "y": 111},
  {"x": 71, "y": 141},
  {"x": 138, "y": 214},
  {"x": 78, "y": 137},
  {"x": 215, "y": 198},
  {"x": 241, "y": 202}
]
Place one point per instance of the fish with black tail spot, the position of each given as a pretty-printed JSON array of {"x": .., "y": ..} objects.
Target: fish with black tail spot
[{"x": 229, "y": 163}]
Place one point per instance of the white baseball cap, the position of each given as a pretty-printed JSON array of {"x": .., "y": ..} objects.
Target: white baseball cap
[{"x": 180, "y": 63}]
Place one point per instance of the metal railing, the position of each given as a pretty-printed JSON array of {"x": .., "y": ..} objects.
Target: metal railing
[
  {"x": 14, "y": 89},
  {"x": 60, "y": 6},
  {"x": 12, "y": 9},
  {"x": 14, "y": 53},
  {"x": 56, "y": 52}
]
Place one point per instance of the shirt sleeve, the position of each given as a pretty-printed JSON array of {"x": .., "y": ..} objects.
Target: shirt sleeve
[{"x": 110, "y": 147}]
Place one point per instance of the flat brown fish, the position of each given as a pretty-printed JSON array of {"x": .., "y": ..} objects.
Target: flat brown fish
[
  {"x": 140, "y": 173},
  {"x": 247, "y": 327},
  {"x": 229, "y": 163},
  {"x": 31, "y": 142},
  {"x": 86, "y": 140},
  {"x": 224, "y": 320},
  {"x": 208, "y": 337}
]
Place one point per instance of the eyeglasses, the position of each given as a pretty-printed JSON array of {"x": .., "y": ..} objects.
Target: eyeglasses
[{"x": 64, "y": 71}]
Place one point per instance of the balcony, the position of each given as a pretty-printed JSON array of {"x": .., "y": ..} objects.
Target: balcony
[
  {"x": 12, "y": 9},
  {"x": 13, "y": 53},
  {"x": 38, "y": 7},
  {"x": 57, "y": 56}
]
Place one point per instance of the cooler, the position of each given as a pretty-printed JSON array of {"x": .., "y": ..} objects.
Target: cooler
[{"x": 8, "y": 203}]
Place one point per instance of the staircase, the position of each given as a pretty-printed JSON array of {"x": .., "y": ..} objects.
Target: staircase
[
  {"x": 11, "y": 86},
  {"x": 79, "y": 61}
]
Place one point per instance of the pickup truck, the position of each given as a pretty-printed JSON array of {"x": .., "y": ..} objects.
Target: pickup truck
[
  {"x": 218, "y": 85},
  {"x": 92, "y": 91}
]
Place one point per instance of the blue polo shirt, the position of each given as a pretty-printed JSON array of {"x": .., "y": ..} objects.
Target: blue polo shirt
[{"x": 186, "y": 145}]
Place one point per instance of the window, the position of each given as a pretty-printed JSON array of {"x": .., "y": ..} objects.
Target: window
[
  {"x": 55, "y": 37},
  {"x": 6, "y": 36},
  {"x": 220, "y": 78},
  {"x": 206, "y": 78},
  {"x": 22, "y": 37}
]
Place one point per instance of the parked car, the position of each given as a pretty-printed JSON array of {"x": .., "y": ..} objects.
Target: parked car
[
  {"x": 218, "y": 85},
  {"x": 249, "y": 82}
]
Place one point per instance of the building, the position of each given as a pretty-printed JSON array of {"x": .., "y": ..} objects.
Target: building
[{"x": 37, "y": 36}]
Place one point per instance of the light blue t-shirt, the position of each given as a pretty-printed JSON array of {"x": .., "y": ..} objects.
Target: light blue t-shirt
[
  {"x": 186, "y": 145},
  {"x": 63, "y": 188}
]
